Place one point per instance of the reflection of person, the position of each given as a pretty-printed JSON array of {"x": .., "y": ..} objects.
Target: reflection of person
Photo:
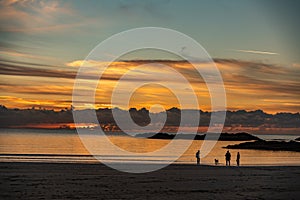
[
  {"x": 227, "y": 157},
  {"x": 238, "y": 156},
  {"x": 198, "y": 157}
]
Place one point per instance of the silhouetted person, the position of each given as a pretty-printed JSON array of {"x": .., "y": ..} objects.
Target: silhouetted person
[
  {"x": 238, "y": 156},
  {"x": 227, "y": 157},
  {"x": 198, "y": 157}
]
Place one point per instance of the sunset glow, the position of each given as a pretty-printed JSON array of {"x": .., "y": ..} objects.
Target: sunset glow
[
  {"x": 43, "y": 47},
  {"x": 246, "y": 84}
]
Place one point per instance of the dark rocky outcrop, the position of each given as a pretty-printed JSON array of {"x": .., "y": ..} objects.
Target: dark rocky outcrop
[
  {"x": 223, "y": 137},
  {"x": 268, "y": 145}
]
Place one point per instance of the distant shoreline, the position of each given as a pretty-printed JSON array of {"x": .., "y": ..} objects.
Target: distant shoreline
[
  {"x": 239, "y": 136},
  {"x": 74, "y": 129},
  {"x": 268, "y": 145},
  {"x": 256, "y": 121}
]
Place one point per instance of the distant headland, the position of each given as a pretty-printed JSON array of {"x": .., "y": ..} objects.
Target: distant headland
[
  {"x": 236, "y": 121},
  {"x": 222, "y": 137},
  {"x": 268, "y": 145}
]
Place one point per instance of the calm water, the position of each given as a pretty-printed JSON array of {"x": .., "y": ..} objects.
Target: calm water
[{"x": 66, "y": 146}]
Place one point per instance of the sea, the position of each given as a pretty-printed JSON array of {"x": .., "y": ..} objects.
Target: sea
[{"x": 66, "y": 146}]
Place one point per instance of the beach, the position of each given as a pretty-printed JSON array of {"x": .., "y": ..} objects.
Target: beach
[{"x": 97, "y": 181}]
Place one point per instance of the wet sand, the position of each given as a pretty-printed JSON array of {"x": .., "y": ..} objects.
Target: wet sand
[{"x": 96, "y": 181}]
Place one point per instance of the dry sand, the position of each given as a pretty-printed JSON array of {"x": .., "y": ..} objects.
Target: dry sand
[{"x": 96, "y": 181}]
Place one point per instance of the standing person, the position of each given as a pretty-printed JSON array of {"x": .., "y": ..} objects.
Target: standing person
[
  {"x": 198, "y": 157},
  {"x": 238, "y": 156},
  {"x": 227, "y": 157}
]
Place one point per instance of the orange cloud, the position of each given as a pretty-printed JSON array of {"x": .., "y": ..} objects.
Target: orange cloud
[
  {"x": 18, "y": 102},
  {"x": 249, "y": 85}
]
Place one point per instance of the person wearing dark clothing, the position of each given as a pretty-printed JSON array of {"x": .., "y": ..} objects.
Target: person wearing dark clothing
[
  {"x": 198, "y": 157},
  {"x": 238, "y": 156},
  {"x": 227, "y": 158}
]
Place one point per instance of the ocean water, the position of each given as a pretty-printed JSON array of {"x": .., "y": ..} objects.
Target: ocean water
[{"x": 37, "y": 145}]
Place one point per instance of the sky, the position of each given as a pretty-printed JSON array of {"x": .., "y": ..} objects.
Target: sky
[{"x": 255, "y": 45}]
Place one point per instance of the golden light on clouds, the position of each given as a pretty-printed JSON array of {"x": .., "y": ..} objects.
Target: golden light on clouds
[
  {"x": 249, "y": 85},
  {"x": 153, "y": 94}
]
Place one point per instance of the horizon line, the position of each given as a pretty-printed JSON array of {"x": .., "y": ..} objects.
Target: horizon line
[{"x": 71, "y": 108}]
